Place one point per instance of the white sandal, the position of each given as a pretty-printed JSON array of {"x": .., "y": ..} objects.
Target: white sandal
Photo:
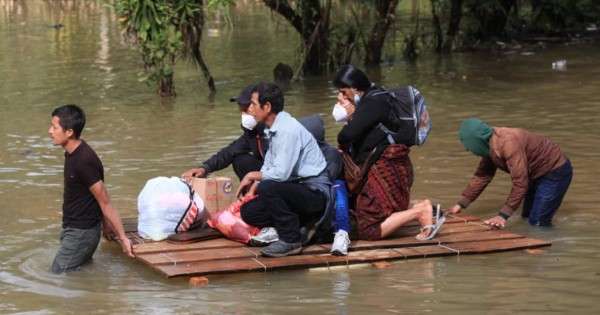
[{"x": 440, "y": 218}]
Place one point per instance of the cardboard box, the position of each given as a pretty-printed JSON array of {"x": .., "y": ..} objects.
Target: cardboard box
[{"x": 216, "y": 192}]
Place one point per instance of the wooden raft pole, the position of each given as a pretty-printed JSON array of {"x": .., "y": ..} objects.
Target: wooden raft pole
[{"x": 462, "y": 234}]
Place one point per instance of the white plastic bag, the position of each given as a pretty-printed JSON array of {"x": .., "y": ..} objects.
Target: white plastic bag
[{"x": 161, "y": 205}]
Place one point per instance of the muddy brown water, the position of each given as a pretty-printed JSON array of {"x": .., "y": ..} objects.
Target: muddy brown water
[{"x": 140, "y": 136}]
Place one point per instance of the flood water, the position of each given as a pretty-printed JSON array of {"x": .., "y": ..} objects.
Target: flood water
[{"x": 140, "y": 136}]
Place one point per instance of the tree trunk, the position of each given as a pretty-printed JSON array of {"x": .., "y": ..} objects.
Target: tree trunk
[
  {"x": 453, "y": 24},
  {"x": 494, "y": 23},
  {"x": 198, "y": 56},
  {"x": 166, "y": 86},
  {"x": 311, "y": 21},
  {"x": 192, "y": 30},
  {"x": 385, "y": 18},
  {"x": 438, "y": 37}
]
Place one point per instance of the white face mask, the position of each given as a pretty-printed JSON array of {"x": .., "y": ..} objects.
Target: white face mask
[
  {"x": 248, "y": 121},
  {"x": 339, "y": 113},
  {"x": 356, "y": 97}
]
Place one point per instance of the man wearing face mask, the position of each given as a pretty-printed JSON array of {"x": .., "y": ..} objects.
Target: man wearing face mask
[{"x": 246, "y": 154}]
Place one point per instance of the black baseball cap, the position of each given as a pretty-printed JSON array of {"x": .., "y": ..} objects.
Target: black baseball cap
[{"x": 245, "y": 96}]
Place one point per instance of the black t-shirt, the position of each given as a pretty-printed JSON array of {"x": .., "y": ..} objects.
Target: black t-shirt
[{"x": 83, "y": 169}]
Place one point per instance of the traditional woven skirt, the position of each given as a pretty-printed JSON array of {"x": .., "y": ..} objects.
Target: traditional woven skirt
[{"x": 387, "y": 190}]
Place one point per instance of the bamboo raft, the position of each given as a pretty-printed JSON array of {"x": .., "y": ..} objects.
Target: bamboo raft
[{"x": 461, "y": 234}]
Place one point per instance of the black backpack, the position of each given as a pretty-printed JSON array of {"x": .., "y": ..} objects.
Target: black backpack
[{"x": 410, "y": 110}]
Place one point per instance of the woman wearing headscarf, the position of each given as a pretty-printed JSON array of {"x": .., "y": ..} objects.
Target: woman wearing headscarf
[
  {"x": 381, "y": 206},
  {"x": 540, "y": 171}
]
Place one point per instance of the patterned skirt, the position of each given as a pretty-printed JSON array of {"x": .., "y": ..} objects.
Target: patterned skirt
[{"x": 387, "y": 190}]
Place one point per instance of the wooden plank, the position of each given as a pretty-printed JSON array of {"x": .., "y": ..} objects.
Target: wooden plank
[
  {"x": 450, "y": 218},
  {"x": 215, "y": 254},
  {"x": 465, "y": 227},
  {"x": 295, "y": 262},
  {"x": 498, "y": 245},
  {"x": 157, "y": 247},
  {"x": 464, "y": 235},
  {"x": 197, "y": 235},
  {"x": 210, "y": 267},
  {"x": 129, "y": 224},
  {"x": 179, "y": 257},
  {"x": 326, "y": 260},
  {"x": 473, "y": 236},
  {"x": 248, "y": 265},
  {"x": 453, "y": 223},
  {"x": 447, "y": 228}
]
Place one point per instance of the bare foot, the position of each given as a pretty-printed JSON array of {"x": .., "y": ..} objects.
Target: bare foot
[{"x": 425, "y": 216}]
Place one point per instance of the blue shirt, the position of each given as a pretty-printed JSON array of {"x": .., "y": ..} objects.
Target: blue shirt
[{"x": 293, "y": 151}]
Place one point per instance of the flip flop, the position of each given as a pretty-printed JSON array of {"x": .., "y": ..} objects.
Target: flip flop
[{"x": 439, "y": 221}]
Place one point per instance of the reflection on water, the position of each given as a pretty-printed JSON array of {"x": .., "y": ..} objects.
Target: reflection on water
[{"x": 140, "y": 137}]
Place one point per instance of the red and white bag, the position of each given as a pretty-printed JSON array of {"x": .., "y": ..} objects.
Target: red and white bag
[{"x": 230, "y": 223}]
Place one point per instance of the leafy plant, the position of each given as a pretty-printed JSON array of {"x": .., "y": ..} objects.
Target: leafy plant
[{"x": 164, "y": 31}]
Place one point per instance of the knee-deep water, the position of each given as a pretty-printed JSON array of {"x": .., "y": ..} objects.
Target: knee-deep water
[{"x": 140, "y": 136}]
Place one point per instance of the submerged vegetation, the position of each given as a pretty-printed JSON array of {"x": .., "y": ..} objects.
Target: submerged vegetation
[
  {"x": 333, "y": 33},
  {"x": 165, "y": 31}
]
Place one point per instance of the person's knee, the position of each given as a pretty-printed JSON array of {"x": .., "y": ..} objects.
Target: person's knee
[
  {"x": 245, "y": 211},
  {"x": 244, "y": 163},
  {"x": 67, "y": 259},
  {"x": 537, "y": 218},
  {"x": 77, "y": 248},
  {"x": 370, "y": 233},
  {"x": 265, "y": 188}
]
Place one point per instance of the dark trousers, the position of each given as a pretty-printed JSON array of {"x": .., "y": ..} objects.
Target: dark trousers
[
  {"x": 285, "y": 206},
  {"x": 77, "y": 246},
  {"x": 545, "y": 195},
  {"x": 245, "y": 163}
]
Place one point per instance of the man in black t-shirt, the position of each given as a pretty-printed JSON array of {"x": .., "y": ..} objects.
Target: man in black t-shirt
[{"x": 86, "y": 205}]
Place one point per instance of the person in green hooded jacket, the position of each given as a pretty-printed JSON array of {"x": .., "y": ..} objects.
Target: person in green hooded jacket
[{"x": 539, "y": 170}]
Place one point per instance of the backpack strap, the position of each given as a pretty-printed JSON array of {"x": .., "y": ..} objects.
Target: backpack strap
[{"x": 388, "y": 132}]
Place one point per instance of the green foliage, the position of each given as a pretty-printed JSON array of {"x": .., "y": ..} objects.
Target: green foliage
[
  {"x": 346, "y": 39},
  {"x": 222, "y": 6},
  {"x": 484, "y": 20},
  {"x": 160, "y": 54},
  {"x": 559, "y": 14},
  {"x": 160, "y": 29},
  {"x": 213, "y": 4},
  {"x": 479, "y": 17}
]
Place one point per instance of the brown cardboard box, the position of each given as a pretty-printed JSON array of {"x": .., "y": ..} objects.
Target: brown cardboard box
[{"x": 216, "y": 192}]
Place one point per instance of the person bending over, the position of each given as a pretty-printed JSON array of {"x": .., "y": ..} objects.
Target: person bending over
[{"x": 539, "y": 170}]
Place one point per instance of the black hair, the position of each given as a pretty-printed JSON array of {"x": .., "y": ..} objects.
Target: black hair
[
  {"x": 269, "y": 92},
  {"x": 350, "y": 76},
  {"x": 70, "y": 117}
]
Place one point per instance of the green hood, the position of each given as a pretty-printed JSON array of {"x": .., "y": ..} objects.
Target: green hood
[{"x": 475, "y": 136}]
